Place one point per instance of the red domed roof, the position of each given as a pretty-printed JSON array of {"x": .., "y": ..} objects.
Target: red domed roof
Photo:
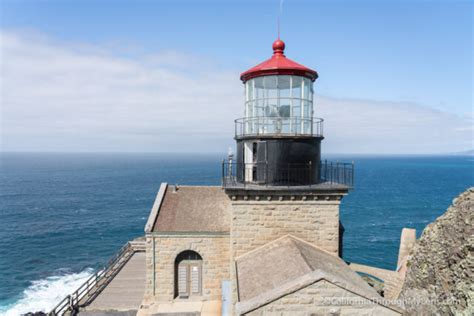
[{"x": 278, "y": 64}]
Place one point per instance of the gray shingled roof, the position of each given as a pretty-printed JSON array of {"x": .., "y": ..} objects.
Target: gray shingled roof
[
  {"x": 190, "y": 209},
  {"x": 288, "y": 264}
]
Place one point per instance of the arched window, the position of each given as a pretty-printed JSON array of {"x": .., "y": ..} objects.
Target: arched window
[{"x": 188, "y": 274}]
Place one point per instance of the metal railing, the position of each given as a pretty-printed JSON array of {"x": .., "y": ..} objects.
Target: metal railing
[
  {"x": 337, "y": 173},
  {"x": 279, "y": 126},
  {"x": 95, "y": 283},
  {"x": 300, "y": 174}
]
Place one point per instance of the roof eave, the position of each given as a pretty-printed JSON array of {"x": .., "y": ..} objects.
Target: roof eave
[
  {"x": 155, "y": 210},
  {"x": 311, "y": 74},
  {"x": 244, "y": 307}
]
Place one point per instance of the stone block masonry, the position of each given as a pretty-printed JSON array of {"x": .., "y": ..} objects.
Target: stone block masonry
[
  {"x": 255, "y": 223},
  {"x": 160, "y": 269},
  {"x": 322, "y": 298}
]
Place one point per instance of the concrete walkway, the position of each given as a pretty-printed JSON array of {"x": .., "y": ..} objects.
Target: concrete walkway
[
  {"x": 393, "y": 280},
  {"x": 124, "y": 293}
]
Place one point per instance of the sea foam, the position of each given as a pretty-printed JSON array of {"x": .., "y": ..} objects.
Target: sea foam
[{"x": 43, "y": 295}]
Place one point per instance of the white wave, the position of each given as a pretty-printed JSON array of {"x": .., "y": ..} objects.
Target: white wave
[{"x": 43, "y": 295}]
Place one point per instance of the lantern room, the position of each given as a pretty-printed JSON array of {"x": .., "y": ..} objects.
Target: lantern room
[{"x": 278, "y": 98}]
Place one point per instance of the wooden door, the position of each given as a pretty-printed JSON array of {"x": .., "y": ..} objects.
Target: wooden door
[{"x": 189, "y": 278}]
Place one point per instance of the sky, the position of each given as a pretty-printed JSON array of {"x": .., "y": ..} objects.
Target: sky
[{"x": 395, "y": 77}]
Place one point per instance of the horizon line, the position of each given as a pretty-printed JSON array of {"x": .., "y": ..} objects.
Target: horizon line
[{"x": 460, "y": 153}]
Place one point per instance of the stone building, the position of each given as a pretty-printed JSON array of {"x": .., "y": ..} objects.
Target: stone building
[{"x": 268, "y": 241}]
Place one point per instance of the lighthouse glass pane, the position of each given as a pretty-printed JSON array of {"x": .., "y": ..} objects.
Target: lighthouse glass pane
[
  {"x": 271, "y": 85},
  {"x": 307, "y": 109},
  {"x": 296, "y": 87},
  {"x": 284, "y": 87},
  {"x": 278, "y": 105},
  {"x": 284, "y": 93},
  {"x": 296, "y": 107},
  {"x": 249, "y": 90},
  {"x": 259, "y": 107},
  {"x": 249, "y": 109},
  {"x": 259, "y": 91},
  {"x": 306, "y": 119},
  {"x": 307, "y": 89}
]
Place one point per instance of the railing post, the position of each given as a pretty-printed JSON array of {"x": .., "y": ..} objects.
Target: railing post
[
  {"x": 319, "y": 171},
  {"x": 352, "y": 175},
  {"x": 266, "y": 173},
  {"x": 326, "y": 170},
  {"x": 345, "y": 174},
  {"x": 223, "y": 175},
  {"x": 288, "y": 175},
  {"x": 332, "y": 173},
  {"x": 310, "y": 173}
]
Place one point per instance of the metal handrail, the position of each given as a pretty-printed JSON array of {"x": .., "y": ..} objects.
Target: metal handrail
[
  {"x": 235, "y": 174},
  {"x": 91, "y": 286},
  {"x": 337, "y": 172},
  {"x": 279, "y": 126}
]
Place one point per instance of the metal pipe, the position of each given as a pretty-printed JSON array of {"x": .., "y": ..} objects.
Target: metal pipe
[{"x": 154, "y": 268}]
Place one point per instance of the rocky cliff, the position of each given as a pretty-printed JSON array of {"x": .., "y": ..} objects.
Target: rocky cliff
[{"x": 439, "y": 279}]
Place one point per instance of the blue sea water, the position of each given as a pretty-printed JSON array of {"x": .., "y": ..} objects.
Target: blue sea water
[{"x": 63, "y": 215}]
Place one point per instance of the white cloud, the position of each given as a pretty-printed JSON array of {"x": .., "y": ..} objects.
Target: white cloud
[
  {"x": 61, "y": 97},
  {"x": 361, "y": 126}
]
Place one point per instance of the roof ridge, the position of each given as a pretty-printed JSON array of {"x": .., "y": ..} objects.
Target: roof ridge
[
  {"x": 311, "y": 244},
  {"x": 260, "y": 247},
  {"x": 305, "y": 259},
  {"x": 294, "y": 238}
]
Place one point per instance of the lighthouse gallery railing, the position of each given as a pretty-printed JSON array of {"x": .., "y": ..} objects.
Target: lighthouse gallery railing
[
  {"x": 280, "y": 126},
  {"x": 261, "y": 173}
]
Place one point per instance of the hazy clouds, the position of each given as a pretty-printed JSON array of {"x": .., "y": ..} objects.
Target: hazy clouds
[{"x": 68, "y": 97}]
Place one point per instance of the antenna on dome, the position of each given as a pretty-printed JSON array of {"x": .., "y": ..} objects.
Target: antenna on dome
[{"x": 280, "y": 11}]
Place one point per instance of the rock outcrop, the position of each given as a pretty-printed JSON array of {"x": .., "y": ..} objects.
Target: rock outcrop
[{"x": 440, "y": 274}]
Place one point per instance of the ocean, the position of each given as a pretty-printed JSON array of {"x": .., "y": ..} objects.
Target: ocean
[{"x": 64, "y": 215}]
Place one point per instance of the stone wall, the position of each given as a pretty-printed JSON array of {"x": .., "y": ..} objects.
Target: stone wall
[
  {"x": 407, "y": 242},
  {"x": 214, "y": 250},
  {"x": 255, "y": 223},
  {"x": 322, "y": 298}
]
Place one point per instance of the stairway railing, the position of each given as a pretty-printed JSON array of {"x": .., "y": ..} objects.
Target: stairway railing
[{"x": 96, "y": 282}]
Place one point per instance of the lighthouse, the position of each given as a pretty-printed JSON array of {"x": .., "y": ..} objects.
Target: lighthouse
[
  {"x": 272, "y": 229},
  {"x": 276, "y": 182},
  {"x": 278, "y": 141}
]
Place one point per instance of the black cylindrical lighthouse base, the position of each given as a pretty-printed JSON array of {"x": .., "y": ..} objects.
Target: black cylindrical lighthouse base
[{"x": 279, "y": 161}]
